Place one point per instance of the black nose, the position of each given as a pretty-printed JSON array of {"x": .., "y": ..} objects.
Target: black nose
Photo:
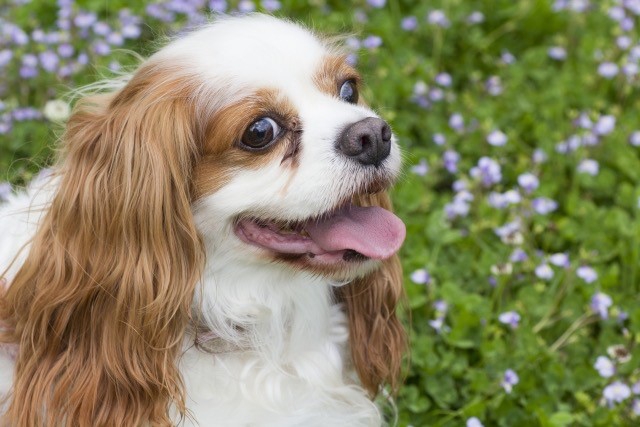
[{"x": 367, "y": 141}]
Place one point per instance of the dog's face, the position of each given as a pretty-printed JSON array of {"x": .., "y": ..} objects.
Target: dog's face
[{"x": 289, "y": 150}]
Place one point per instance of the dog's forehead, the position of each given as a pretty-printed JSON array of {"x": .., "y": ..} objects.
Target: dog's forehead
[{"x": 251, "y": 52}]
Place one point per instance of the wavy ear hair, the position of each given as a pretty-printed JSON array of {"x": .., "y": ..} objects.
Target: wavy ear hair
[
  {"x": 377, "y": 337},
  {"x": 100, "y": 306}
]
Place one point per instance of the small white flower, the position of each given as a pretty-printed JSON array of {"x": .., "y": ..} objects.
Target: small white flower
[{"x": 56, "y": 110}]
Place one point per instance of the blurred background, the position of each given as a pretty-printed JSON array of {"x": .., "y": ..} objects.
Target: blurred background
[{"x": 521, "y": 193}]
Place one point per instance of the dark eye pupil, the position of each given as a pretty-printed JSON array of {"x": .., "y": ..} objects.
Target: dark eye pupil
[
  {"x": 349, "y": 92},
  {"x": 259, "y": 133}
]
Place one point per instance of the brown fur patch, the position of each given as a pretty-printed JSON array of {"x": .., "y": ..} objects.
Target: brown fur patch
[
  {"x": 334, "y": 71},
  {"x": 222, "y": 153}
]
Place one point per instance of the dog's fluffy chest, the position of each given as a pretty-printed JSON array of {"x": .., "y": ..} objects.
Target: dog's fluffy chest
[{"x": 248, "y": 388}]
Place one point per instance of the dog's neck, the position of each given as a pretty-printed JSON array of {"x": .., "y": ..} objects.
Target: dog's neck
[{"x": 263, "y": 306}]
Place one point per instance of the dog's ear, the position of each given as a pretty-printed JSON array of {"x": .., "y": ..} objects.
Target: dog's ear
[
  {"x": 377, "y": 337},
  {"x": 100, "y": 306}
]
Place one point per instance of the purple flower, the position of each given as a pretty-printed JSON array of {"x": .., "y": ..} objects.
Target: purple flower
[
  {"x": 49, "y": 61},
  {"x": 101, "y": 48},
  {"x": 66, "y": 50},
  {"x": 450, "y": 159},
  {"x": 616, "y": 392},
  {"x": 605, "y": 367},
  {"x": 476, "y": 17},
  {"x": 488, "y": 171},
  {"x": 459, "y": 206},
  {"x": 493, "y": 86},
  {"x": 507, "y": 57},
  {"x": 439, "y": 139},
  {"x": 528, "y": 182},
  {"x": 544, "y": 271},
  {"x": 544, "y": 205},
  {"x": 560, "y": 260},
  {"x": 26, "y": 113},
  {"x": 421, "y": 277},
  {"x": 501, "y": 201},
  {"x": 539, "y": 156},
  {"x": 589, "y": 166},
  {"x": 459, "y": 185},
  {"x": 443, "y": 79},
  {"x": 630, "y": 69},
  {"x": 438, "y": 18},
  {"x": 5, "y": 191},
  {"x": 157, "y": 11},
  {"x": 131, "y": 31},
  {"x": 634, "y": 139},
  {"x": 616, "y": 13},
  {"x": 441, "y": 307},
  {"x": 518, "y": 255},
  {"x": 587, "y": 274},
  {"x": 623, "y": 42},
  {"x": 497, "y": 138},
  {"x": 558, "y": 53},
  {"x": 372, "y": 42},
  {"x": 584, "y": 121},
  {"x": 115, "y": 39},
  {"x": 608, "y": 70},
  {"x": 438, "y": 324},
  {"x": 508, "y": 230},
  {"x": 456, "y": 122},
  {"x": 436, "y": 94},
  {"x": 5, "y": 57},
  {"x": 635, "y": 407},
  {"x": 5, "y": 124},
  {"x": 605, "y": 125},
  {"x": 627, "y": 24},
  {"x": 421, "y": 168},
  {"x": 509, "y": 379},
  {"x": 218, "y": 6},
  {"x": 409, "y": 23},
  {"x": 101, "y": 28},
  {"x": 246, "y": 6},
  {"x": 377, "y": 3},
  {"x": 85, "y": 19},
  {"x": 600, "y": 304},
  {"x": 510, "y": 318}
]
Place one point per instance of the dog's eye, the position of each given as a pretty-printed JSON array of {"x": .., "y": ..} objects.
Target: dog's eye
[
  {"x": 349, "y": 92},
  {"x": 260, "y": 133}
]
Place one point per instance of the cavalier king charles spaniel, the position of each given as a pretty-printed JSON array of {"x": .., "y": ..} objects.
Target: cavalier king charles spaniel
[{"x": 214, "y": 247}]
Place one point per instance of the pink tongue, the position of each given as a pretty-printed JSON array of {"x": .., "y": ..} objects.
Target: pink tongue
[{"x": 372, "y": 231}]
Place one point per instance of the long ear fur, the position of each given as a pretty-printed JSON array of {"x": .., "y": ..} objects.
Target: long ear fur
[
  {"x": 100, "y": 306},
  {"x": 378, "y": 339}
]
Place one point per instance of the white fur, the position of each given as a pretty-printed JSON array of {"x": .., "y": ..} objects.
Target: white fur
[{"x": 288, "y": 364}]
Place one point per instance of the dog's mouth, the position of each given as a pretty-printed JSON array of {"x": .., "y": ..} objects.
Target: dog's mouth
[{"x": 348, "y": 234}]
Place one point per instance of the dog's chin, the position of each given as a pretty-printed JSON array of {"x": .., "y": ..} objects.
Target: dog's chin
[{"x": 342, "y": 244}]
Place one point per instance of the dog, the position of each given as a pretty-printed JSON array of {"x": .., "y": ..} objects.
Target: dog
[{"x": 215, "y": 245}]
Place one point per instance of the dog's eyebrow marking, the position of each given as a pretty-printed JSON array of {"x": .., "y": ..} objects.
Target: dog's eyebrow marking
[{"x": 333, "y": 70}]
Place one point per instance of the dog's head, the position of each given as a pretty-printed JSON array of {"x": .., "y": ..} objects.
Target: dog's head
[
  {"x": 246, "y": 137},
  {"x": 289, "y": 149}
]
